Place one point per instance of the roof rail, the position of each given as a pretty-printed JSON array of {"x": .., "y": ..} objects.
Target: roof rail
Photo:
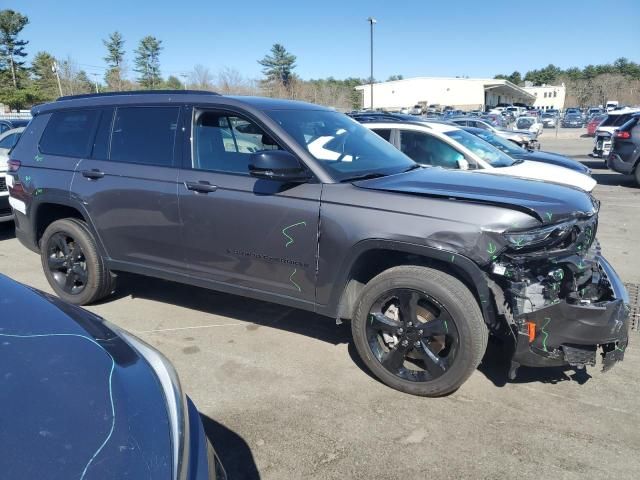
[{"x": 136, "y": 92}]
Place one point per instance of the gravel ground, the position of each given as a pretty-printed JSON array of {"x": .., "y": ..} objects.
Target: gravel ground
[{"x": 283, "y": 394}]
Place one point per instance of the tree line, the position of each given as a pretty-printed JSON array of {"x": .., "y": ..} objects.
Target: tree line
[{"x": 591, "y": 85}]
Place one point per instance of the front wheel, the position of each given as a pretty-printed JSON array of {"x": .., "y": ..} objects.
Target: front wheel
[{"x": 419, "y": 330}]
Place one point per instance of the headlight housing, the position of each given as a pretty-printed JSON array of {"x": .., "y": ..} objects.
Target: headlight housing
[{"x": 539, "y": 236}]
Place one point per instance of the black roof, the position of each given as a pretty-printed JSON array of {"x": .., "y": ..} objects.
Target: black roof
[
  {"x": 135, "y": 92},
  {"x": 172, "y": 97}
]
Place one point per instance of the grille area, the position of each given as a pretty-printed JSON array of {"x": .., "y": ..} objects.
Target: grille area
[{"x": 3, "y": 184}]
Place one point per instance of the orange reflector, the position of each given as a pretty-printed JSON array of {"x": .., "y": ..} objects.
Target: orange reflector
[{"x": 532, "y": 331}]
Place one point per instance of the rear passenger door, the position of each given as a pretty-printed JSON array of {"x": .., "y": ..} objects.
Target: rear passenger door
[
  {"x": 129, "y": 185},
  {"x": 250, "y": 234}
]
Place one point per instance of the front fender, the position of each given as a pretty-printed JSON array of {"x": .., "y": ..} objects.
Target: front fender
[{"x": 340, "y": 303}]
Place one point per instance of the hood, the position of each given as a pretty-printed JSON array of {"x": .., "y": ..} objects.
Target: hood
[
  {"x": 548, "y": 202},
  {"x": 81, "y": 399},
  {"x": 549, "y": 173},
  {"x": 553, "y": 159}
]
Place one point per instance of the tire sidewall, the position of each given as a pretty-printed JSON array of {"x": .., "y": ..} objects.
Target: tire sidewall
[
  {"x": 465, "y": 357},
  {"x": 83, "y": 237}
]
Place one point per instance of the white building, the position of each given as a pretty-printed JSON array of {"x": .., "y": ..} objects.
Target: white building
[
  {"x": 548, "y": 96},
  {"x": 459, "y": 93}
]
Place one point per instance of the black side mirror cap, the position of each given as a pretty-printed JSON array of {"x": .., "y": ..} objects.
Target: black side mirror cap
[{"x": 278, "y": 165}]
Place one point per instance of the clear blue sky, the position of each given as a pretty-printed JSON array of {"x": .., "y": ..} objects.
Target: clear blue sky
[{"x": 331, "y": 38}]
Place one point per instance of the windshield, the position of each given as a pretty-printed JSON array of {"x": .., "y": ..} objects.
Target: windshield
[
  {"x": 341, "y": 145},
  {"x": 482, "y": 149},
  {"x": 524, "y": 123},
  {"x": 503, "y": 144}
]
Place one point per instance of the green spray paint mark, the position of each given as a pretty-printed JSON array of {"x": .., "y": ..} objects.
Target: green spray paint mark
[
  {"x": 519, "y": 242},
  {"x": 619, "y": 349},
  {"x": 546, "y": 335},
  {"x": 446, "y": 327},
  {"x": 38, "y": 191},
  {"x": 284, "y": 232},
  {"x": 491, "y": 250},
  {"x": 581, "y": 265},
  {"x": 453, "y": 258},
  {"x": 38, "y": 157},
  {"x": 292, "y": 281},
  {"x": 549, "y": 215},
  {"x": 27, "y": 178}
]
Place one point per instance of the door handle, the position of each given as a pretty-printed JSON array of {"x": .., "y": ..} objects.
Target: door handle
[
  {"x": 200, "y": 187},
  {"x": 93, "y": 174}
]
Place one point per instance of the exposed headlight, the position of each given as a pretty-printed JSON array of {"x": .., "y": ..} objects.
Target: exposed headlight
[
  {"x": 538, "y": 236},
  {"x": 174, "y": 396}
]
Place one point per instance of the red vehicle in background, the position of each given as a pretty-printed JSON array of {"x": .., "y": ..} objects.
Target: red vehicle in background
[{"x": 593, "y": 124}]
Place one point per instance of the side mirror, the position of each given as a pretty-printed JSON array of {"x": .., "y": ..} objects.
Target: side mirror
[
  {"x": 463, "y": 163},
  {"x": 277, "y": 165}
]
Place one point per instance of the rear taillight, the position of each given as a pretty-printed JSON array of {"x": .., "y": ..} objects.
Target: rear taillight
[
  {"x": 13, "y": 165},
  {"x": 623, "y": 135}
]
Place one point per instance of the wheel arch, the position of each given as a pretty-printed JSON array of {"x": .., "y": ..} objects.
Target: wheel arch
[
  {"x": 46, "y": 209},
  {"x": 371, "y": 257}
]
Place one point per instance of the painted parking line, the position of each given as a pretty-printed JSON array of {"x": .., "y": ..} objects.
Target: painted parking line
[{"x": 159, "y": 330}]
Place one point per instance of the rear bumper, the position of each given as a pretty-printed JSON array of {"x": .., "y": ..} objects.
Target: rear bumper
[
  {"x": 570, "y": 334},
  {"x": 6, "y": 215},
  {"x": 617, "y": 164}
]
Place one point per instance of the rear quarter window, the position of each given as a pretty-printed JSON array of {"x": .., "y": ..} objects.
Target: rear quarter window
[{"x": 69, "y": 133}]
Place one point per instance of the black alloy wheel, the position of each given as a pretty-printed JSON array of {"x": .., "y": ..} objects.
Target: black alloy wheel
[
  {"x": 67, "y": 263},
  {"x": 412, "y": 335}
]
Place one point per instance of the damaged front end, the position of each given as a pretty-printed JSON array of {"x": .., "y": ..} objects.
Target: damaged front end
[{"x": 562, "y": 299}]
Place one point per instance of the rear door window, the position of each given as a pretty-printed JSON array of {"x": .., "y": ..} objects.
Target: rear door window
[
  {"x": 145, "y": 135},
  {"x": 69, "y": 133}
]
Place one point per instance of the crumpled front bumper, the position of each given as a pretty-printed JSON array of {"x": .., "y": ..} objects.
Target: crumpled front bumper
[{"x": 565, "y": 334}]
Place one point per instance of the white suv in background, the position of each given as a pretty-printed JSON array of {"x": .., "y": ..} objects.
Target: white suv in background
[{"x": 447, "y": 146}]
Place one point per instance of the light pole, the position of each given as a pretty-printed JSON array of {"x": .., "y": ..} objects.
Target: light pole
[{"x": 371, "y": 21}]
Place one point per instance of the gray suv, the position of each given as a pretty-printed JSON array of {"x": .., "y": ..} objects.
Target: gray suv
[{"x": 300, "y": 205}]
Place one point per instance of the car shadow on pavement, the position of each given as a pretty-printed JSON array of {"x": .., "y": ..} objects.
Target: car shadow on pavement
[
  {"x": 7, "y": 231},
  {"x": 241, "y": 308},
  {"x": 497, "y": 361},
  {"x": 614, "y": 179},
  {"x": 233, "y": 451}
]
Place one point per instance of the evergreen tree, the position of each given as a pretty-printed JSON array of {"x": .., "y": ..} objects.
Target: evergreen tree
[
  {"x": 44, "y": 78},
  {"x": 115, "y": 61},
  {"x": 11, "y": 48},
  {"x": 173, "y": 83},
  {"x": 147, "y": 62},
  {"x": 278, "y": 67}
]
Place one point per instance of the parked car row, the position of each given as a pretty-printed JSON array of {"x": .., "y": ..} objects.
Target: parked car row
[
  {"x": 428, "y": 236},
  {"x": 624, "y": 155}
]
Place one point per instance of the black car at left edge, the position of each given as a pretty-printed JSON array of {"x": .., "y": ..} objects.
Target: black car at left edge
[{"x": 83, "y": 399}]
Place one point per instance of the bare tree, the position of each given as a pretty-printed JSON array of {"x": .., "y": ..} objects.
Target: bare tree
[{"x": 201, "y": 78}]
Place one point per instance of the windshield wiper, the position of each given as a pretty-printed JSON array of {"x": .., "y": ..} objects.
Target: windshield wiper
[
  {"x": 518, "y": 161},
  {"x": 366, "y": 176},
  {"x": 412, "y": 167}
]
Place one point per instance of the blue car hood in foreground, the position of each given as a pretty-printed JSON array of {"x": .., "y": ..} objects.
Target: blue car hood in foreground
[
  {"x": 548, "y": 202},
  {"x": 76, "y": 401},
  {"x": 554, "y": 159}
]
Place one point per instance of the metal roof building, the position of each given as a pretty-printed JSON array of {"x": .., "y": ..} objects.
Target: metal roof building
[{"x": 460, "y": 93}]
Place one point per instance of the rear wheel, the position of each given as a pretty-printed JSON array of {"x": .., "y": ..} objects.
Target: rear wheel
[
  {"x": 637, "y": 174},
  {"x": 72, "y": 264},
  {"x": 419, "y": 330}
]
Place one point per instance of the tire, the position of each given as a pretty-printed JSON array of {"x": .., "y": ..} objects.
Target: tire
[
  {"x": 636, "y": 174},
  {"x": 68, "y": 249},
  {"x": 449, "y": 299}
]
